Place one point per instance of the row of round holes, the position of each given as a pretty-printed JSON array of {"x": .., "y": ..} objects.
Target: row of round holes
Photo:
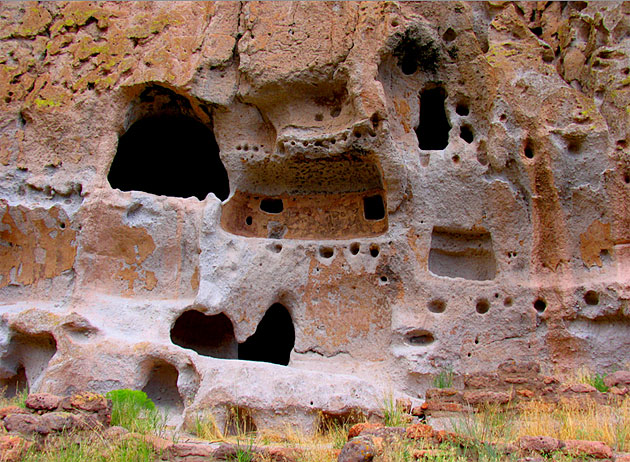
[
  {"x": 329, "y": 252},
  {"x": 483, "y": 305}
]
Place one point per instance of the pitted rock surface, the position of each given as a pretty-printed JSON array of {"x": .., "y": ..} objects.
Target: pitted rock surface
[{"x": 227, "y": 205}]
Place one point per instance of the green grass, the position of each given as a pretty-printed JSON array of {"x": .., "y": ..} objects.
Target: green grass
[
  {"x": 133, "y": 410},
  {"x": 595, "y": 379},
  {"x": 393, "y": 413},
  {"x": 444, "y": 379}
]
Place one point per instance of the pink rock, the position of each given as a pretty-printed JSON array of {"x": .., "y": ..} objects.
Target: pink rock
[
  {"x": 595, "y": 449},
  {"x": 579, "y": 388},
  {"x": 617, "y": 378},
  {"x": 544, "y": 444},
  {"x": 42, "y": 401},
  {"x": 21, "y": 423},
  {"x": 483, "y": 397}
]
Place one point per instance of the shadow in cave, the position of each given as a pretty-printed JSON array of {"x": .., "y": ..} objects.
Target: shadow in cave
[
  {"x": 273, "y": 340},
  {"x": 170, "y": 155}
]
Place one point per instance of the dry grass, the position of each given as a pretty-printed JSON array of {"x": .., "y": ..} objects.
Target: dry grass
[{"x": 573, "y": 420}]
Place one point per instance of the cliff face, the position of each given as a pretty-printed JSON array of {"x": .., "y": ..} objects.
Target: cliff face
[{"x": 369, "y": 192}]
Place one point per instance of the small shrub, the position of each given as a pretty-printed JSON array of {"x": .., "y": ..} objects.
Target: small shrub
[
  {"x": 133, "y": 410},
  {"x": 595, "y": 379},
  {"x": 394, "y": 414},
  {"x": 444, "y": 379}
]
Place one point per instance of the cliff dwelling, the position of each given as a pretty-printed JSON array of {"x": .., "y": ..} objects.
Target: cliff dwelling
[{"x": 226, "y": 204}]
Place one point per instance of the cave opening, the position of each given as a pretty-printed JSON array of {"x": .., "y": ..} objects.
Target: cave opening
[
  {"x": 208, "y": 335},
  {"x": 273, "y": 340},
  {"x": 170, "y": 155},
  {"x": 373, "y": 207},
  {"x": 432, "y": 132}
]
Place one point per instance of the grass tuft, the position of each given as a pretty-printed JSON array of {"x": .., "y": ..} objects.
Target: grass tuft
[
  {"x": 133, "y": 410},
  {"x": 588, "y": 377},
  {"x": 394, "y": 414},
  {"x": 444, "y": 379}
]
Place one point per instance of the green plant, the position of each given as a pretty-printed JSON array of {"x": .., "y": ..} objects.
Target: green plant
[
  {"x": 595, "y": 379},
  {"x": 394, "y": 414},
  {"x": 133, "y": 410},
  {"x": 444, "y": 379}
]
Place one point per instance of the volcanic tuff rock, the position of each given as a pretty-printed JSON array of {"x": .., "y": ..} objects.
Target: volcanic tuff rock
[{"x": 371, "y": 193}]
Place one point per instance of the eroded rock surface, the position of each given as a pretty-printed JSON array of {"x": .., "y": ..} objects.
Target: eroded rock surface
[{"x": 411, "y": 186}]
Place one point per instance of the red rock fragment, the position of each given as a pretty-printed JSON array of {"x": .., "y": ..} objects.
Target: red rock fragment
[
  {"x": 12, "y": 448},
  {"x": 5, "y": 411},
  {"x": 419, "y": 431},
  {"x": 42, "y": 401},
  {"x": 88, "y": 401},
  {"x": 542, "y": 444},
  {"x": 596, "y": 449},
  {"x": 617, "y": 378},
  {"x": 356, "y": 429}
]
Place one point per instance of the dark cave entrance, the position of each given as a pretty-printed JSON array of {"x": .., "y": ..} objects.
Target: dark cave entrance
[
  {"x": 207, "y": 335},
  {"x": 273, "y": 340},
  {"x": 170, "y": 155},
  {"x": 432, "y": 132},
  {"x": 213, "y": 335}
]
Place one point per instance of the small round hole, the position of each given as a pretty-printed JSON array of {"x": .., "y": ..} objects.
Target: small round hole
[
  {"x": 626, "y": 178},
  {"x": 326, "y": 252},
  {"x": 394, "y": 22},
  {"x": 449, "y": 35},
  {"x": 384, "y": 279},
  {"x": 354, "y": 248},
  {"x": 502, "y": 117},
  {"x": 482, "y": 306},
  {"x": 591, "y": 298},
  {"x": 248, "y": 221},
  {"x": 62, "y": 225},
  {"x": 540, "y": 305},
  {"x": 374, "y": 250},
  {"x": 319, "y": 117},
  {"x": 455, "y": 159},
  {"x": 437, "y": 306},
  {"x": 529, "y": 153},
  {"x": 462, "y": 109},
  {"x": 357, "y": 134},
  {"x": 508, "y": 301},
  {"x": 476, "y": 340},
  {"x": 277, "y": 248}
]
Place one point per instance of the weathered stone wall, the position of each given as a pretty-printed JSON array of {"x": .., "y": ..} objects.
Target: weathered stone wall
[{"x": 421, "y": 185}]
